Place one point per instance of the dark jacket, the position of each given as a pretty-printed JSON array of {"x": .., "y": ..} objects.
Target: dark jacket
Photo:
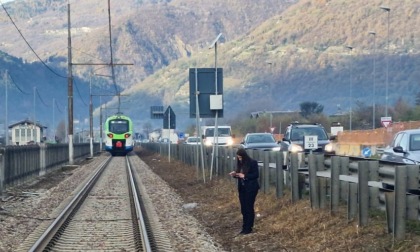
[{"x": 250, "y": 181}]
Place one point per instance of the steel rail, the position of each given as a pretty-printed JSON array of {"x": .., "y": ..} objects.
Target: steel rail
[
  {"x": 49, "y": 233},
  {"x": 139, "y": 213}
]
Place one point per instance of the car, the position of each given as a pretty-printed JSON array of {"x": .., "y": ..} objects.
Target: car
[
  {"x": 260, "y": 141},
  {"x": 293, "y": 140},
  {"x": 193, "y": 140},
  {"x": 404, "y": 148}
]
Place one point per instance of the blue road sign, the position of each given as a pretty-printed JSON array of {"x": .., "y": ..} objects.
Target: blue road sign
[
  {"x": 181, "y": 135},
  {"x": 366, "y": 152}
]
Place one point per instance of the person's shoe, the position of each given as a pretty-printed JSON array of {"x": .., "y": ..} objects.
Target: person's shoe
[{"x": 245, "y": 232}]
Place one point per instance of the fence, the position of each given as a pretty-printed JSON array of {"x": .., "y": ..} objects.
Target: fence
[
  {"x": 361, "y": 184},
  {"x": 21, "y": 163}
]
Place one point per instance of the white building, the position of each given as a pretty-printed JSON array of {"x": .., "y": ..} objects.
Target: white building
[{"x": 25, "y": 132}]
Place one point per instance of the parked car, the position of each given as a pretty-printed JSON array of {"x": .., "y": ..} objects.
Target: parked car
[
  {"x": 193, "y": 140},
  {"x": 404, "y": 148},
  {"x": 293, "y": 140},
  {"x": 260, "y": 141}
]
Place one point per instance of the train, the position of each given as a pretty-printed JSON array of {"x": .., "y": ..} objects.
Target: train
[{"x": 119, "y": 134}]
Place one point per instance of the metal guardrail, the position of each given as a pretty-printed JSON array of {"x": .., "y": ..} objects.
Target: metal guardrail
[
  {"x": 21, "y": 163},
  {"x": 360, "y": 183}
]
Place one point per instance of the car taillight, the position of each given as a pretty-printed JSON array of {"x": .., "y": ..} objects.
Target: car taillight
[
  {"x": 110, "y": 135},
  {"x": 127, "y": 135}
]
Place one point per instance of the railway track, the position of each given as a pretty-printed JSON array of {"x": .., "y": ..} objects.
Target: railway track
[{"x": 106, "y": 214}]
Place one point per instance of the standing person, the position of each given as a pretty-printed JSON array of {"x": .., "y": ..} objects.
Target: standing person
[{"x": 247, "y": 174}]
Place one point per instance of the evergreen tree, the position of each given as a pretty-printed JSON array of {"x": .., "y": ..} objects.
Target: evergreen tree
[{"x": 309, "y": 108}]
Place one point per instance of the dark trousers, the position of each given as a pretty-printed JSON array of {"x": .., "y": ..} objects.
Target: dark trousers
[{"x": 247, "y": 200}]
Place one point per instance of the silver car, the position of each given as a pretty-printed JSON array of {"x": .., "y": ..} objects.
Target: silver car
[
  {"x": 405, "y": 148},
  {"x": 193, "y": 140},
  {"x": 260, "y": 141}
]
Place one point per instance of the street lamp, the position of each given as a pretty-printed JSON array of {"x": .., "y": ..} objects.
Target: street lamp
[
  {"x": 373, "y": 78},
  {"x": 351, "y": 84},
  {"x": 388, "y": 10}
]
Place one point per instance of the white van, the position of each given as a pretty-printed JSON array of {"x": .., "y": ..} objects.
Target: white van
[{"x": 224, "y": 136}]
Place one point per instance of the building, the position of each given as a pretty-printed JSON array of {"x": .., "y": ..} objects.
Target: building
[{"x": 25, "y": 132}]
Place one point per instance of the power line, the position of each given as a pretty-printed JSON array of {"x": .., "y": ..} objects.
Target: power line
[
  {"x": 78, "y": 92},
  {"x": 42, "y": 101},
  {"x": 30, "y": 47},
  {"x": 90, "y": 55},
  {"x": 56, "y": 105},
  {"x": 14, "y": 83}
]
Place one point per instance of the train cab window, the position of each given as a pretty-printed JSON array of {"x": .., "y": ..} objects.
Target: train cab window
[{"x": 118, "y": 126}]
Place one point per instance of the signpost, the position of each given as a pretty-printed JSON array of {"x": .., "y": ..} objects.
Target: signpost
[
  {"x": 386, "y": 121},
  {"x": 310, "y": 142},
  {"x": 366, "y": 152}
]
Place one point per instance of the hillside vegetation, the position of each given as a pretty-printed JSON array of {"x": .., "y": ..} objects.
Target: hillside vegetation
[
  {"x": 275, "y": 56},
  {"x": 308, "y": 60}
]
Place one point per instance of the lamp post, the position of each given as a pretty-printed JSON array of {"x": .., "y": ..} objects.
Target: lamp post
[
  {"x": 388, "y": 10},
  {"x": 373, "y": 78},
  {"x": 351, "y": 85}
]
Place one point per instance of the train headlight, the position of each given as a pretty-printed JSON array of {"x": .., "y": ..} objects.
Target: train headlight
[
  {"x": 127, "y": 135},
  {"x": 110, "y": 135},
  {"x": 208, "y": 143}
]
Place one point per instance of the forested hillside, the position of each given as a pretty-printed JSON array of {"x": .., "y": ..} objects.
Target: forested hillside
[{"x": 275, "y": 56}]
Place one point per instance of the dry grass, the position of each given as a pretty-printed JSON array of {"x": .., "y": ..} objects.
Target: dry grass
[{"x": 280, "y": 225}]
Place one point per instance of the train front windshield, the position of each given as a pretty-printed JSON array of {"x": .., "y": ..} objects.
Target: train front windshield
[{"x": 118, "y": 126}]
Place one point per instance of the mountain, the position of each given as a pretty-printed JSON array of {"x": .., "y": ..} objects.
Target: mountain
[
  {"x": 148, "y": 34},
  {"x": 275, "y": 54},
  {"x": 306, "y": 48}
]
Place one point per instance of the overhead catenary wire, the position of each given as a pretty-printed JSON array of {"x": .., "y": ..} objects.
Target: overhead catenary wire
[
  {"x": 89, "y": 54},
  {"x": 30, "y": 47},
  {"x": 14, "y": 83},
  {"x": 40, "y": 98},
  {"x": 56, "y": 105},
  {"x": 78, "y": 92}
]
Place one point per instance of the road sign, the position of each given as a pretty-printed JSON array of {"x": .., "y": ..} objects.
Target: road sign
[
  {"x": 181, "y": 135},
  {"x": 366, "y": 152},
  {"x": 386, "y": 121},
  {"x": 310, "y": 142},
  {"x": 272, "y": 129},
  {"x": 156, "y": 112},
  {"x": 169, "y": 118},
  {"x": 203, "y": 88}
]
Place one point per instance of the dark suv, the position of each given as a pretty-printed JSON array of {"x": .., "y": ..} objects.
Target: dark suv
[{"x": 293, "y": 140}]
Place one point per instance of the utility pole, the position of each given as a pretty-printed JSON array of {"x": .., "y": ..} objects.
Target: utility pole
[
  {"x": 70, "y": 89},
  {"x": 70, "y": 79},
  {"x": 6, "y": 127},
  {"x": 33, "y": 136}
]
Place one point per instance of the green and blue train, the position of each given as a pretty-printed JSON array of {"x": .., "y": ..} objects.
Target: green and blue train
[{"x": 119, "y": 134}]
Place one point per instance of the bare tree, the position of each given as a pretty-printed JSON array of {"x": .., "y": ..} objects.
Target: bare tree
[{"x": 147, "y": 127}]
